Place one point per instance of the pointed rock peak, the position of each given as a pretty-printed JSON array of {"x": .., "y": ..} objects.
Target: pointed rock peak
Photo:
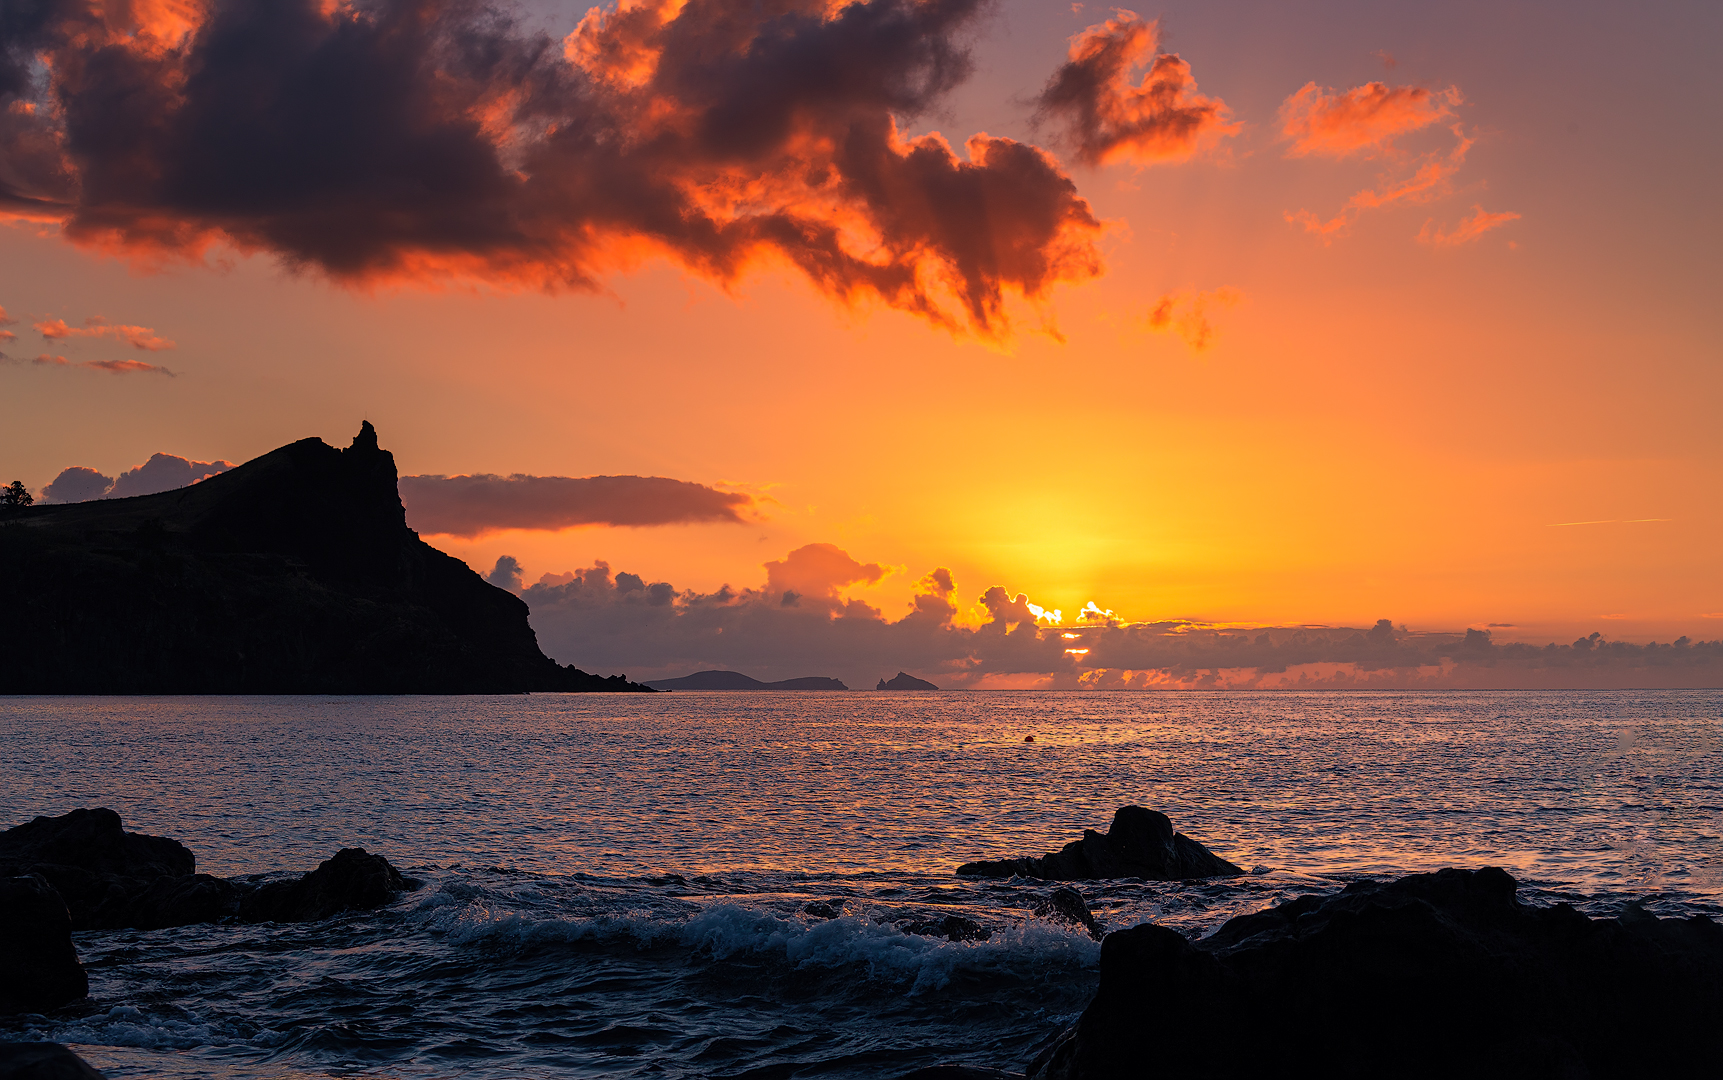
[{"x": 366, "y": 439}]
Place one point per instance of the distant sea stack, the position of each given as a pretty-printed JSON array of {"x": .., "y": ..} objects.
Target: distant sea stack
[
  {"x": 294, "y": 573},
  {"x": 905, "y": 682},
  {"x": 735, "y": 680}
]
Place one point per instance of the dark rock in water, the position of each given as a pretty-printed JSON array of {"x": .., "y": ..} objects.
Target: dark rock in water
[
  {"x": 39, "y": 968},
  {"x": 735, "y": 680},
  {"x": 1067, "y": 905},
  {"x": 905, "y": 682},
  {"x": 351, "y": 881},
  {"x": 1435, "y": 975},
  {"x": 294, "y": 573},
  {"x": 951, "y": 928},
  {"x": 43, "y": 1061},
  {"x": 821, "y": 909},
  {"x": 110, "y": 878},
  {"x": 1140, "y": 843},
  {"x": 960, "y": 1072}
]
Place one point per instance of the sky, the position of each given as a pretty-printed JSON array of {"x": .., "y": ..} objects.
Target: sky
[{"x": 1218, "y": 315}]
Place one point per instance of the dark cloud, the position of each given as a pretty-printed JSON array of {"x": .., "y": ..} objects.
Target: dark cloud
[
  {"x": 162, "y": 472},
  {"x": 1107, "y": 118},
  {"x": 473, "y": 505},
  {"x": 423, "y": 139},
  {"x": 621, "y": 623},
  {"x": 506, "y": 573}
]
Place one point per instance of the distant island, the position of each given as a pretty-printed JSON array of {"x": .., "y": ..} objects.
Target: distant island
[
  {"x": 294, "y": 573},
  {"x": 735, "y": 680},
  {"x": 905, "y": 682}
]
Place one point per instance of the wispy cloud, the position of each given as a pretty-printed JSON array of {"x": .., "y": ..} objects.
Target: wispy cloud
[
  {"x": 474, "y": 505},
  {"x": 1467, "y": 230},
  {"x": 1187, "y": 313},
  {"x": 138, "y": 337},
  {"x": 1363, "y": 121}
]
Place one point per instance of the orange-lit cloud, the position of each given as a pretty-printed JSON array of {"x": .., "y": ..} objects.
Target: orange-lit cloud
[
  {"x": 112, "y": 367},
  {"x": 419, "y": 141},
  {"x": 475, "y": 505},
  {"x": 1363, "y": 120},
  {"x": 5, "y": 320},
  {"x": 1186, "y": 313},
  {"x": 1108, "y": 119},
  {"x": 138, "y": 337},
  {"x": 1423, "y": 179},
  {"x": 1466, "y": 231}
]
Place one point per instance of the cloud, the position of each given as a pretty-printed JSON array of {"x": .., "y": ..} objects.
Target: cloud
[
  {"x": 506, "y": 573},
  {"x": 138, "y": 337},
  {"x": 1363, "y": 120},
  {"x": 162, "y": 472},
  {"x": 621, "y": 622},
  {"x": 77, "y": 484},
  {"x": 112, "y": 367},
  {"x": 1422, "y": 179},
  {"x": 5, "y": 320},
  {"x": 1186, "y": 313},
  {"x": 419, "y": 141},
  {"x": 1466, "y": 231},
  {"x": 474, "y": 505},
  {"x": 1107, "y": 119}
]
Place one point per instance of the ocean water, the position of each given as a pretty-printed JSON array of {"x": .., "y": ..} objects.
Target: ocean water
[{"x": 717, "y": 884}]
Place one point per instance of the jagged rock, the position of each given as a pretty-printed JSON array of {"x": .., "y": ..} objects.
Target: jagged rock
[
  {"x": 43, "y": 1061},
  {"x": 39, "y": 967},
  {"x": 1067, "y": 905},
  {"x": 1435, "y": 975},
  {"x": 353, "y": 880},
  {"x": 295, "y": 573},
  {"x": 1140, "y": 843},
  {"x": 111, "y": 878},
  {"x": 951, "y": 928},
  {"x": 900, "y": 681}
]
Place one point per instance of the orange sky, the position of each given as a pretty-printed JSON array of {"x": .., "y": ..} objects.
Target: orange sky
[{"x": 1376, "y": 425}]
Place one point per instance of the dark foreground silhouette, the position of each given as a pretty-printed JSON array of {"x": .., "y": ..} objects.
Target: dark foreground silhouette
[
  {"x": 83, "y": 871},
  {"x": 294, "y": 573},
  {"x": 1434, "y": 975},
  {"x": 735, "y": 680},
  {"x": 1140, "y": 843},
  {"x": 901, "y": 681}
]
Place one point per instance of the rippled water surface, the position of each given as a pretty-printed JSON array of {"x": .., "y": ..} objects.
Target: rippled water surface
[{"x": 619, "y": 885}]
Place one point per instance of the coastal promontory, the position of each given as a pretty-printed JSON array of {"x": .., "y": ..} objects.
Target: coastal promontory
[{"x": 294, "y": 573}]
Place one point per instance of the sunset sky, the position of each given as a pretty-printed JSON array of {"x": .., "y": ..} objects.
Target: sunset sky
[{"x": 1242, "y": 313}]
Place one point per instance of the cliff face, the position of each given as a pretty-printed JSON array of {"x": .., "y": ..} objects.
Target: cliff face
[{"x": 294, "y": 573}]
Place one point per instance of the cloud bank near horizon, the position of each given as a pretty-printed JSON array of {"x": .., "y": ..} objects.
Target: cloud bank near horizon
[
  {"x": 162, "y": 472},
  {"x": 469, "y": 506},
  {"x": 799, "y": 623},
  {"x": 424, "y": 140}
]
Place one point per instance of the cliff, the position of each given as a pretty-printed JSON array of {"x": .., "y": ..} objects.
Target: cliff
[{"x": 294, "y": 573}]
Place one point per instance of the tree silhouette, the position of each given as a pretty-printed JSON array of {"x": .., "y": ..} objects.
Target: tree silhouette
[{"x": 15, "y": 496}]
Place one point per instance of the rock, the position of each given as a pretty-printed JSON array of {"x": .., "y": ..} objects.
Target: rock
[
  {"x": 951, "y": 928},
  {"x": 39, "y": 968},
  {"x": 1140, "y": 843},
  {"x": 103, "y": 872},
  {"x": 821, "y": 909},
  {"x": 1435, "y": 975},
  {"x": 905, "y": 682},
  {"x": 43, "y": 1061},
  {"x": 352, "y": 881},
  {"x": 1067, "y": 905}
]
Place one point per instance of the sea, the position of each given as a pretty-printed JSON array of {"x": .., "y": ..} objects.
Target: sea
[{"x": 727, "y": 885}]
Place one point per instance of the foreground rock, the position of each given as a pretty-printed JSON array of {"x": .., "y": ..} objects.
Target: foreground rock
[
  {"x": 39, "y": 967},
  {"x": 1140, "y": 843},
  {"x": 295, "y": 573},
  {"x": 1067, "y": 905},
  {"x": 43, "y": 1061},
  {"x": 110, "y": 878},
  {"x": 353, "y": 880},
  {"x": 1436, "y": 975}
]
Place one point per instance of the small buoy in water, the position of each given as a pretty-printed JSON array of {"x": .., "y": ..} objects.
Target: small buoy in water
[{"x": 1028, "y": 738}]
